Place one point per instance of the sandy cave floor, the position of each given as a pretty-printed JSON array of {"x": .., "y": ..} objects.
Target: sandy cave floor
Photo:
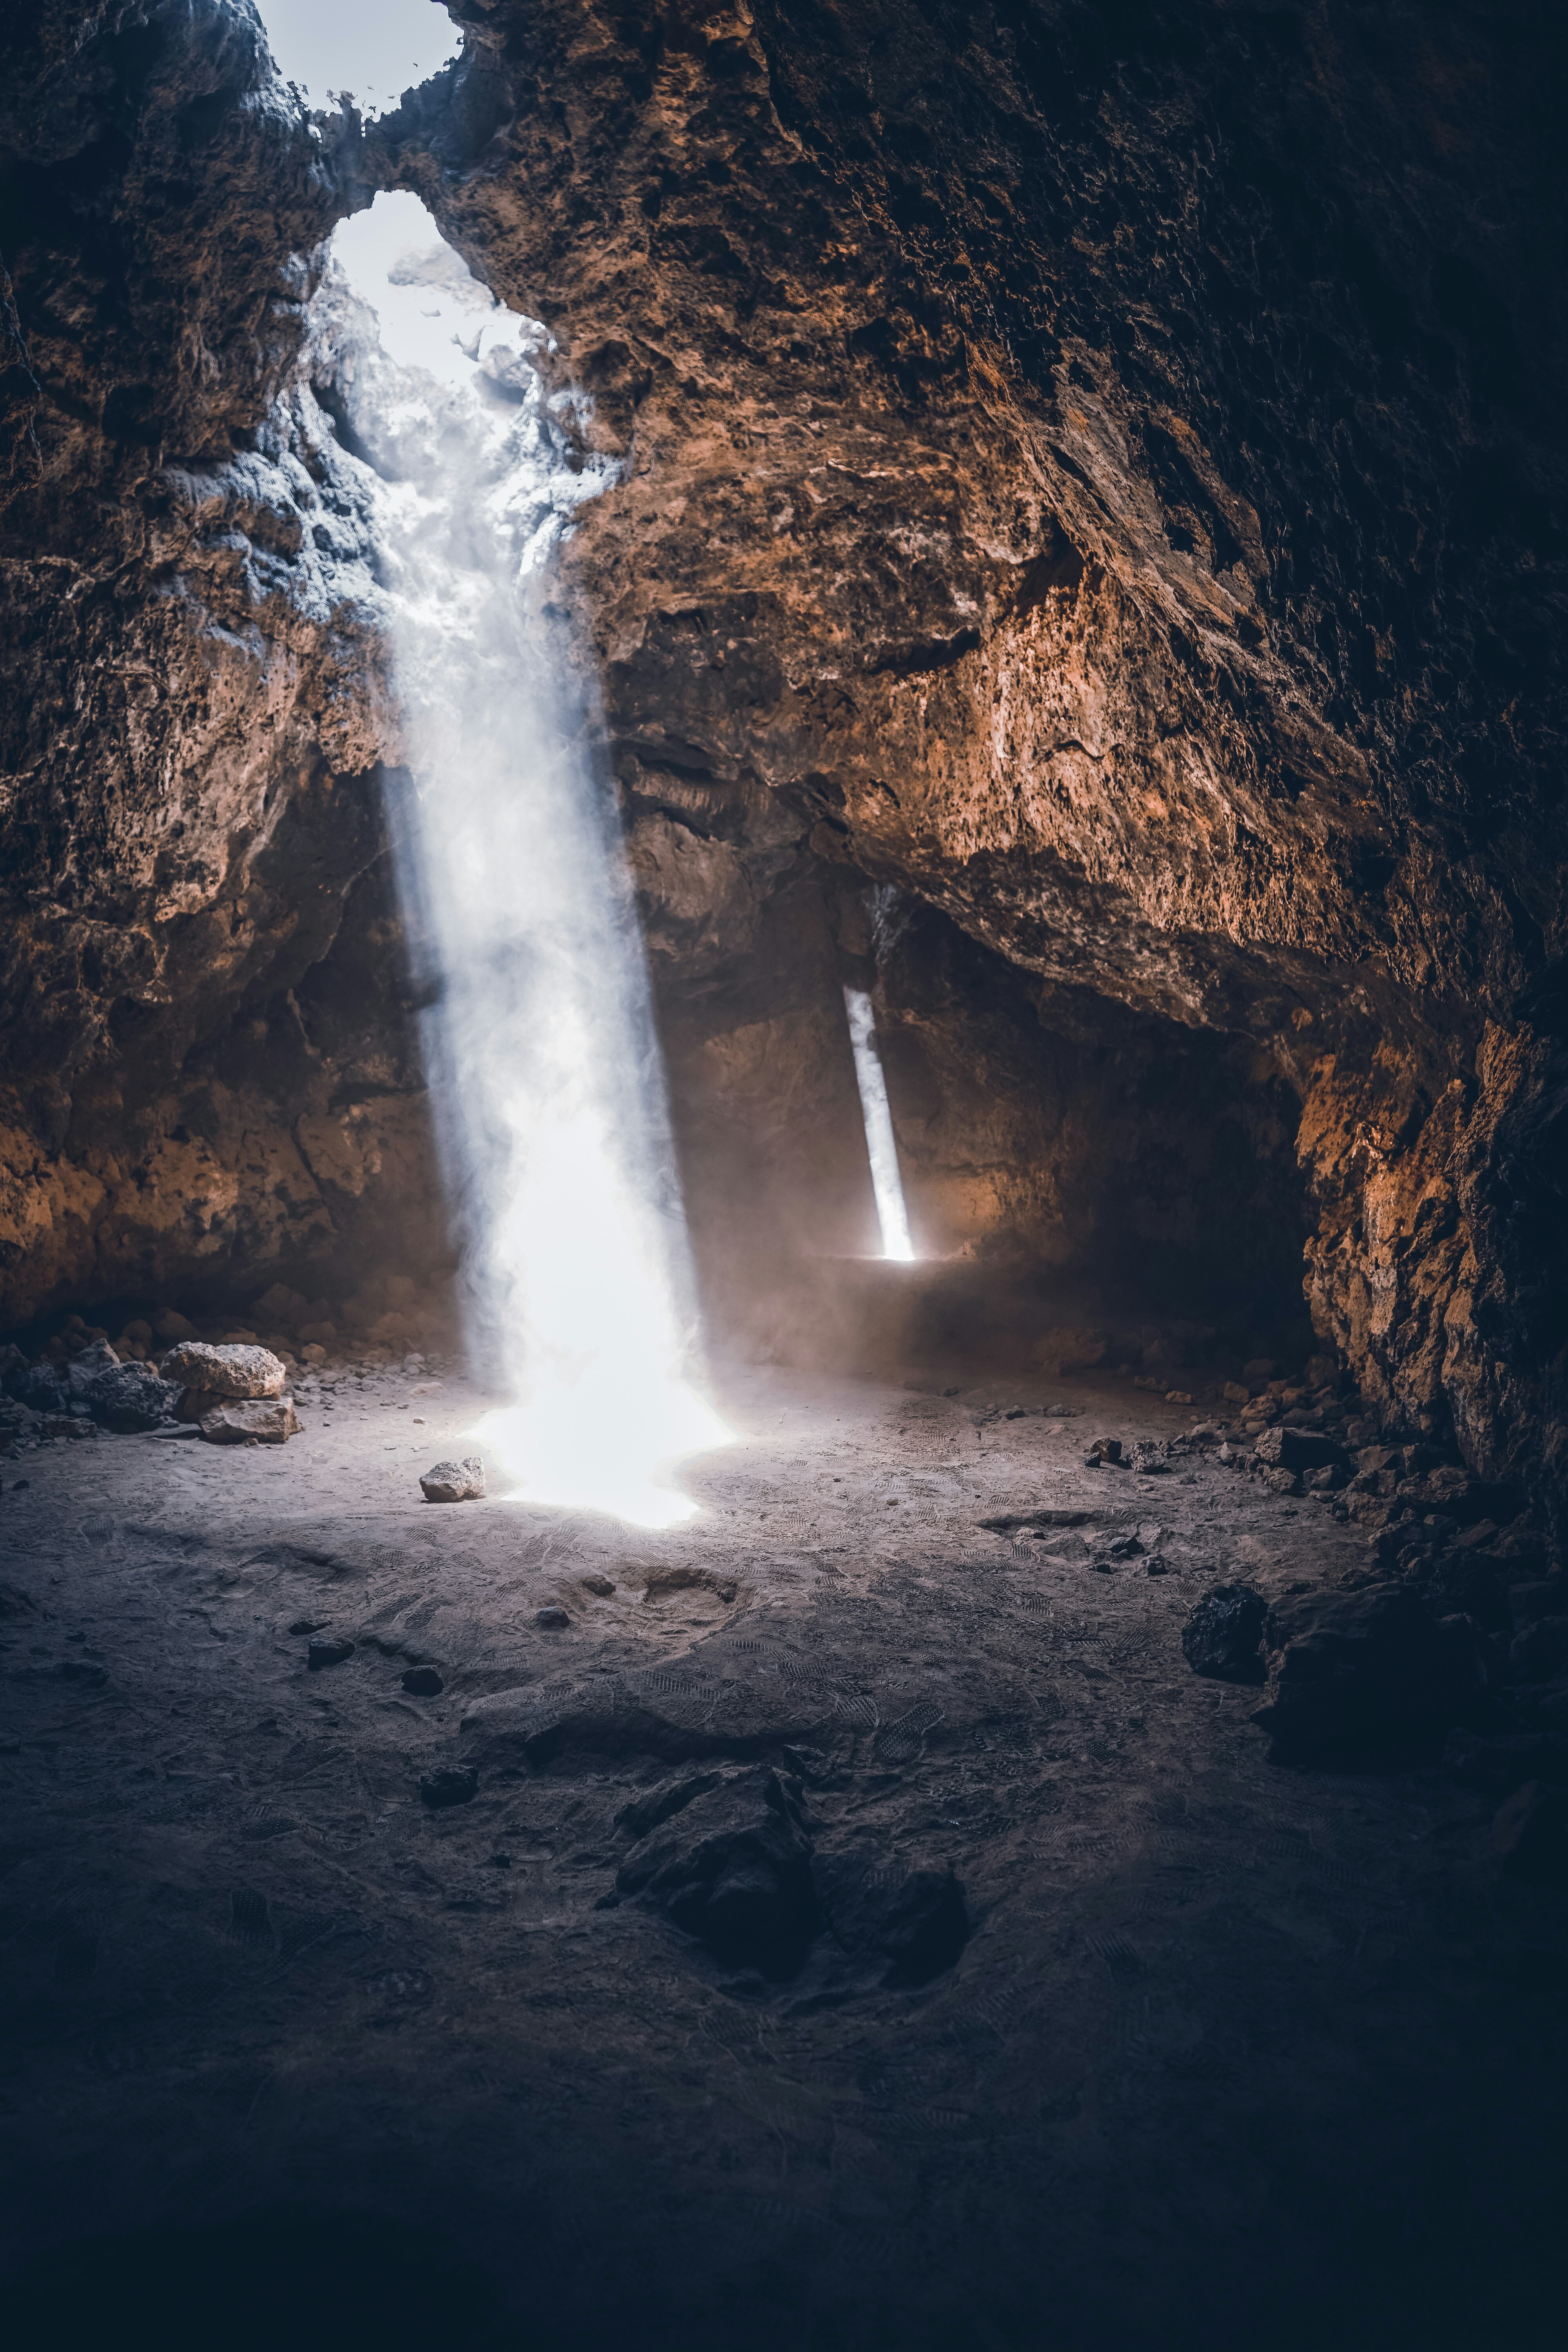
[{"x": 1232, "y": 2053}]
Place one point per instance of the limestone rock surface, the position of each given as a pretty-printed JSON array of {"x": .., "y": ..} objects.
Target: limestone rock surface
[
  {"x": 229, "y": 1370},
  {"x": 240, "y": 1421}
]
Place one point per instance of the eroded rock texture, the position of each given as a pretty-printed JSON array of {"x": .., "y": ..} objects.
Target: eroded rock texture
[
  {"x": 1104, "y": 463},
  {"x": 206, "y": 1070},
  {"x": 1093, "y": 470}
]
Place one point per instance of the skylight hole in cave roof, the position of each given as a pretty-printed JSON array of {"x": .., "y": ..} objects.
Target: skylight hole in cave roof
[{"x": 371, "y": 50}]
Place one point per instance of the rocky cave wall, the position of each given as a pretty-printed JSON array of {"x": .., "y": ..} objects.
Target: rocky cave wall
[
  {"x": 1106, "y": 464},
  {"x": 1094, "y": 471},
  {"x": 205, "y": 1070}
]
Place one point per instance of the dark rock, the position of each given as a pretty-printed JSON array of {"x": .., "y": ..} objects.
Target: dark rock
[
  {"x": 423, "y": 1681},
  {"x": 1105, "y": 1453},
  {"x": 1296, "y": 1450},
  {"x": 1124, "y": 1547},
  {"x": 553, "y": 1619},
  {"x": 307, "y": 1625},
  {"x": 1530, "y": 1835},
  {"x": 455, "y": 1784},
  {"x": 600, "y": 1586},
  {"x": 732, "y": 1868},
  {"x": 132, "y": 1398},
  {"x": 59, "y": 1425},
  {"x": 39, "y": 1386},
  {"x": 1156, "y": 1565},
  {"x": 1456, "y": 1494},
  {"x": 1366, "y": 1670},
  {"x": 910, "y": 1925},
  {"x": 1282, "y": 1481},
  {"x": 328, "y": 1650},
  {"x": 1222, "y": 1636}
]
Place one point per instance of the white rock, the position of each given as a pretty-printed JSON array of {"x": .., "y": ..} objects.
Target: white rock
[
  {"x": 454, "y": 1482},
  {"x": 231, "y": 1370}
]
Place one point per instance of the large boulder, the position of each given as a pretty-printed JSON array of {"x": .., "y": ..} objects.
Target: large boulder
[
  {"x": 86, "y": 1369},
  {"x": 1300, "y": 1449},
  {"x": 40, "y": 1386},
  {"x": 1365, "y": 1673},
  {"x": 231, "y": 1370},
  {"x": 1223, "y": 1636}
]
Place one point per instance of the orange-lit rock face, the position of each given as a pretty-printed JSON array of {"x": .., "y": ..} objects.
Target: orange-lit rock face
[{"x": 1096, "y": 476}]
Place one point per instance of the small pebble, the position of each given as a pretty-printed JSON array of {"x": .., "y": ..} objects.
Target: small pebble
[{"x": 553, "y": 1620}]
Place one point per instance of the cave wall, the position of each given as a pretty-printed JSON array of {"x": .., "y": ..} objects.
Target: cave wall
[
  {"x": 1096, "y": 470},
  {"x": 205, "y": 1076},
  {"x": 1105, "y": 464}
]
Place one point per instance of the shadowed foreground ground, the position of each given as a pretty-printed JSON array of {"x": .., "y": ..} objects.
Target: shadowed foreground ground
[{"x": 1217, "y": 2053}]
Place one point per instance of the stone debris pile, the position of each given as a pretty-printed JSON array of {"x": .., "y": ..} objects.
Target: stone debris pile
[{"x": 232, "y": 1390}]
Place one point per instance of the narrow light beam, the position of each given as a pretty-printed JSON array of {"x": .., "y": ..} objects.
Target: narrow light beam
[
  {"x": 886, "y": 1181},
  {"x": 547, "y": 1086}
]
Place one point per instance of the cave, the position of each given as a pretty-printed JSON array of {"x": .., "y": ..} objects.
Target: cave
[{"x": 740, "y": 739}]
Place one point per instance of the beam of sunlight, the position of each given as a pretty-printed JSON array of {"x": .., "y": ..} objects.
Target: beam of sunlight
[
  {"x": 886, "y": 1181},
  {"x": 547, "y": 1084},
  {"x": 371, "y": 50}
]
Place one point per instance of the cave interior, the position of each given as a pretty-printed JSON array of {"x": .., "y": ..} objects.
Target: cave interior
[{"x": 1049, "y": 524}]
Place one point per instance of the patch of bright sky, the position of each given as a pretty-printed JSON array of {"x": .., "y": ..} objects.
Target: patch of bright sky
[
  {"x": 373, "y": 50},
  {"x": 434, "y": 319}
]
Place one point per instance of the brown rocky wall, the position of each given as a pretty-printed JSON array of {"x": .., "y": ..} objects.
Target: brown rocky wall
[{"x": 1095, "y": 470}]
